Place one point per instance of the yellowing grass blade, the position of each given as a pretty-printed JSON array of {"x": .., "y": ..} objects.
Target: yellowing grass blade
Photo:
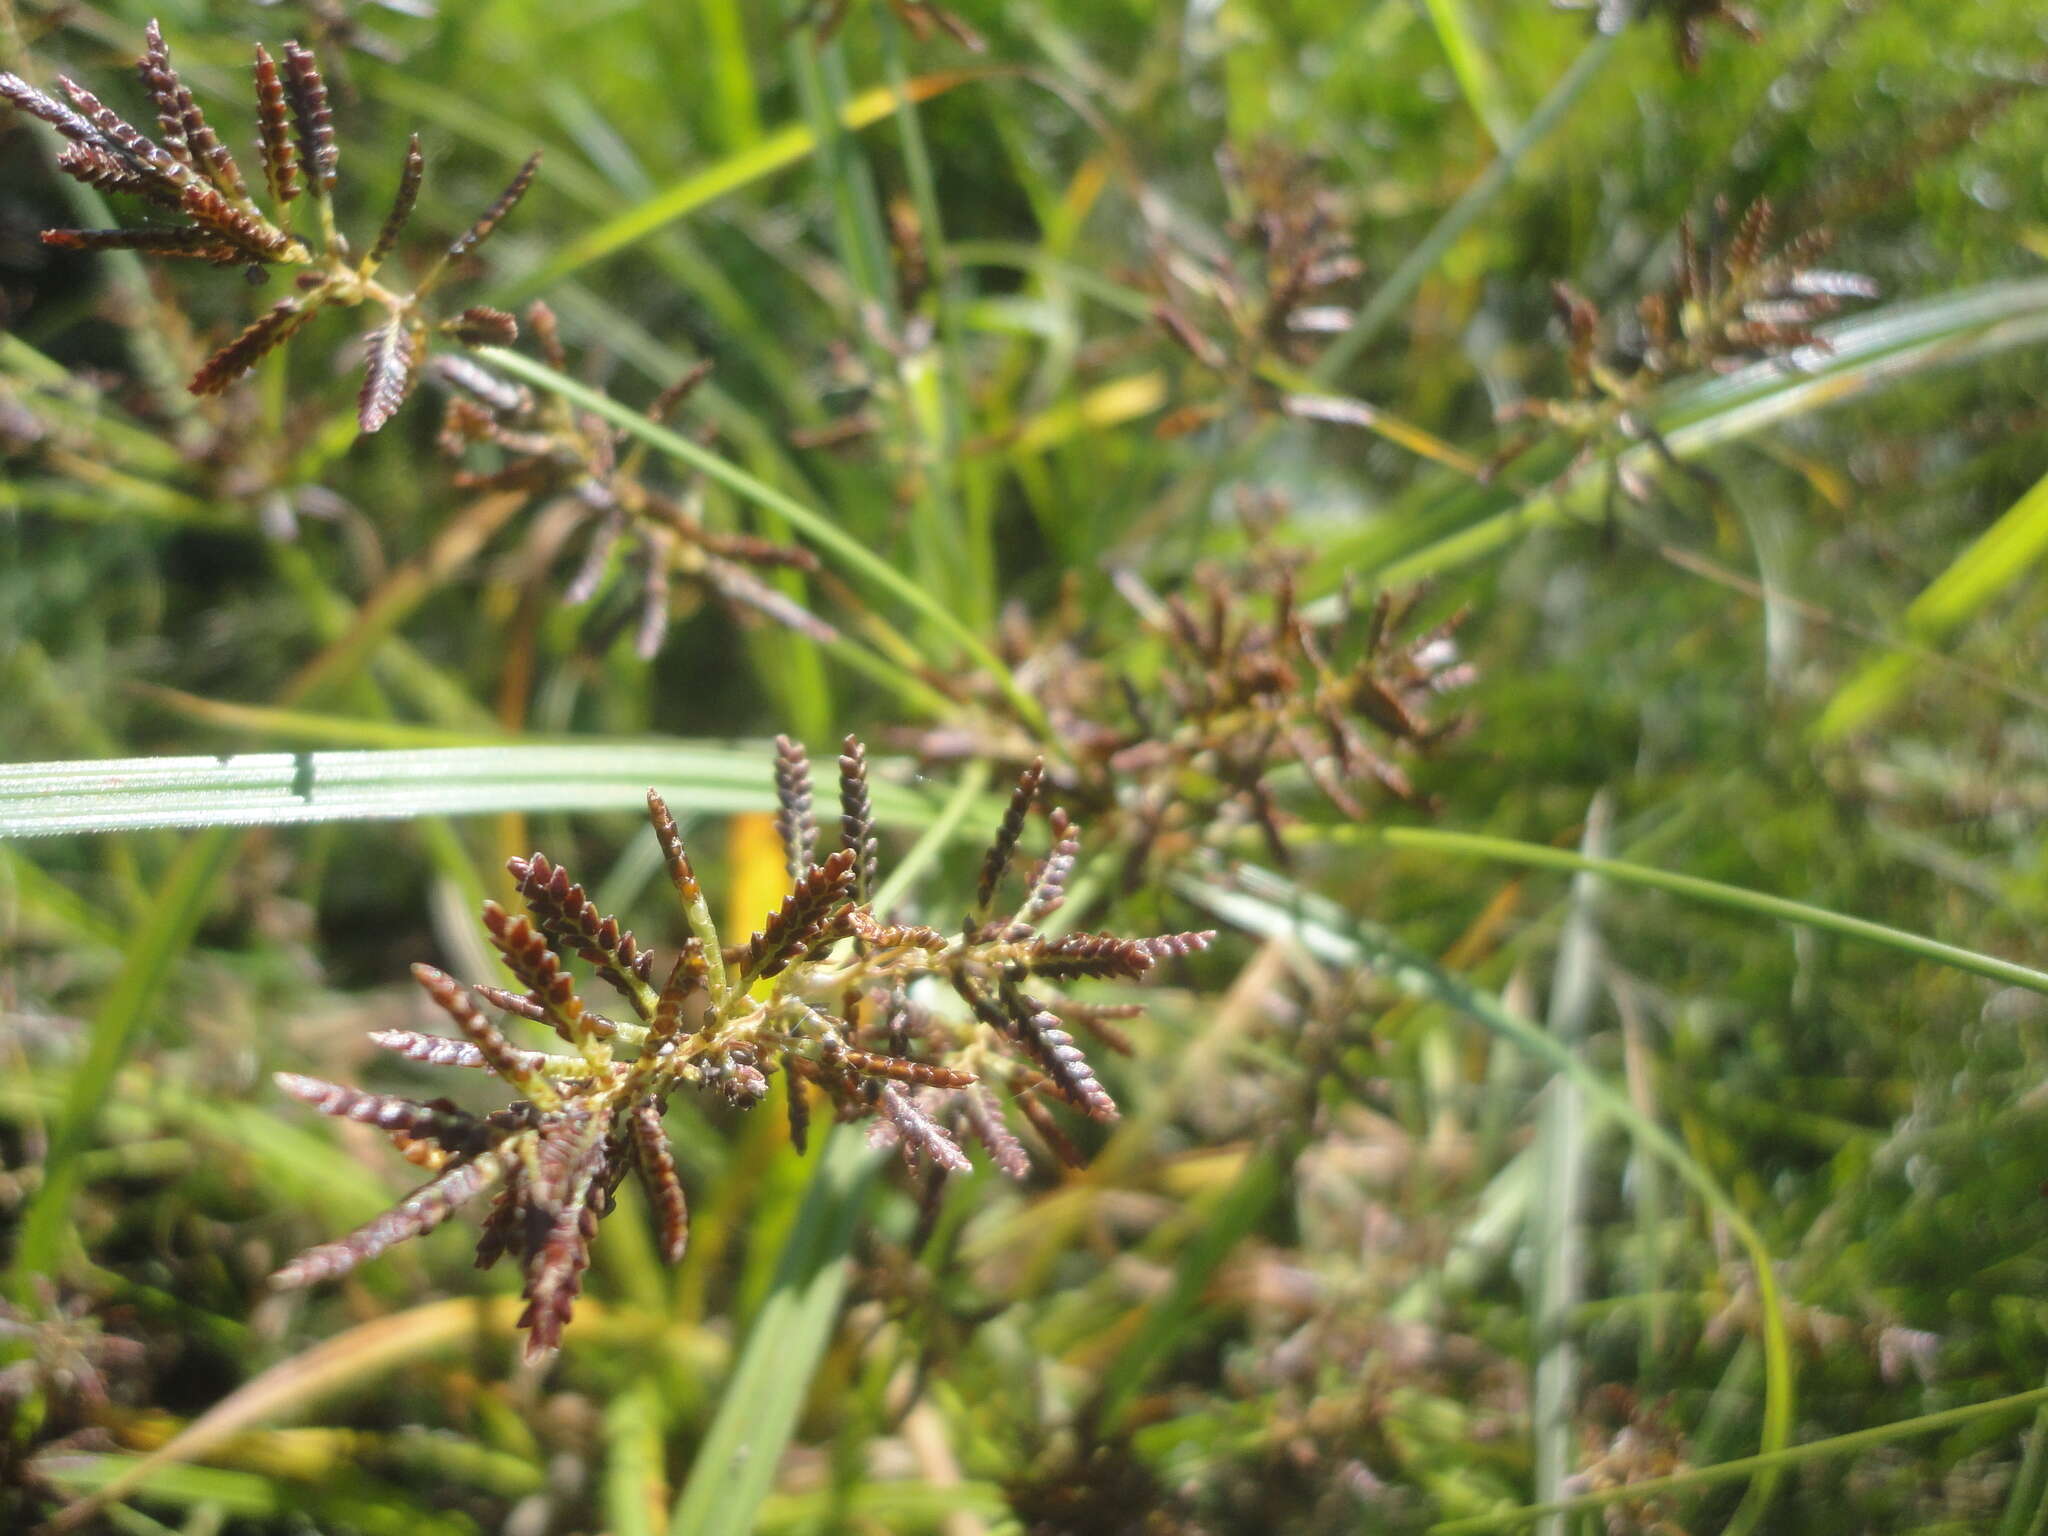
[{"x": 2002, "y": 554}]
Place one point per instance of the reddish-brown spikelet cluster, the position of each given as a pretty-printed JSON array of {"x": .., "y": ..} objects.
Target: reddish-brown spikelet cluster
[
  {"x": 1253, "y": 689},
  {"x": 1728, "y": 304},
  {"x": 590, "y": 481},
  {"x": 207, "y": 213},
  {"x": 837, "y": 997}
]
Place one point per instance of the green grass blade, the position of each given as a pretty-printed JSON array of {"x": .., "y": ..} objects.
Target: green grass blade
[
  {"x": 737, "y": 1462},
  {"x": 174, "y": 918},
  {"x": 1471, "y": 204},
  {"x": 1773, "y": 1462},
  {"x": 773, "y": 152},
  {"x": 1562, "y": 1145},
  {"x": 1999, "y": 556},
  {"x": 1477, "y": 79},
  {"x": 635, "y": 1486},
  {"x": 294, "y": 788},
  {"x": 1712, "y": 892}
]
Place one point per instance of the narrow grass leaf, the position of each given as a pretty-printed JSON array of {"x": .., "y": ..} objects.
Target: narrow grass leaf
[
  {"x": 1996, "y": 559},
  {"x": 741, "y": 1451}
]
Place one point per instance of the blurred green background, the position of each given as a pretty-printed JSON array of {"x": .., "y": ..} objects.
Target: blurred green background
[{"x": 1303, "y": 1285}]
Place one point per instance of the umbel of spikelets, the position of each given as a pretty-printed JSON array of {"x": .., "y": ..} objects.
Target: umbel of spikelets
[
  {"x": 929, "y": 1036},
  {"x": 582, "y": 473},
  {"x": 201, "y": 208}
]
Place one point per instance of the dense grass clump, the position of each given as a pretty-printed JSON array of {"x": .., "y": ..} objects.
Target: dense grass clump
[{"x": 1487, "y": 554}]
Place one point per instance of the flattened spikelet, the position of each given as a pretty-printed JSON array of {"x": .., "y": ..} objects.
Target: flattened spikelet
[
  {"x": 273, "y": 127},
  {"x": 414, "y": 1216},
  {"x": 794, "y": 821},
  {"x": 996, "y": 862},
  {"x": 272, "y": 330},
  {"x": 481, "y": 326},
  {"x": 657, "y": 1165},
  {"x": 312, "y": 119},
  {"x": 389, "y": 355},
  {"x": 402, "y": 204},
  {"x": 805, "y": 914},
  {"x": 508, "y": 199}
]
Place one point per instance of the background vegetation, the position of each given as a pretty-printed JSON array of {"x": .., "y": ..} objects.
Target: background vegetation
[{"x": 1462, "y": 1176}]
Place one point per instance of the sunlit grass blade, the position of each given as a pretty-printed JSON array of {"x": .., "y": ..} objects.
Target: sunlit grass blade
[
  {"x": 1712, "y": 892},
  {"x": 1562, "y": 1144},
  {"x": 772, "y": 152},
  {"x": 1444, "y": 525},
  {"x": 737, "y": 1460},
  {"x": 635, "y": 1484},
  {"x": 291, "y": 788},
  {"x": 1769, "y": 1463},
  {"x": 1997, "y": 558}
]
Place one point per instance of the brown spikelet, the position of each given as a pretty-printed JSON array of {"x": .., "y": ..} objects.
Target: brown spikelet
[
  {"x": 747, "y": 591},
  {"x": 109, "y": 171},
  {"x": 657, "y": 1165},
  {"x": 389, "y": 353},
  {"x": 273, "y": 127},
  {"x": 184, "y": 129},
  {"x": 203, "y": 203},
  {"x": 26, "y": 98},
  {"x": 114, "y": 131},
  {"x": 1065, "y": 1066},
  {"x": 515, "y": 1067},
  {"x": 539, "y": 970},
  {"x": 571, "y": 923},
  {"x": 794, "y": 821},
  {"x": 982, "y": 1113},
  {"x": 192, "y": 244},
  {"x": 161, "y": 82},
  {"x": 508, "y": 199},
  {"x": 1049, "y": 886},
  {"x": 402, "y": 204},
  {"x": 857, "y": 816},
  {"x": 899, "y": 1069},
  {"x": 1034, "y": 1109},
  {"x": 1089, "y": 954},
  {"x": 312, "y": 119},
  {"x": 439, "y": 1051},
  {"x": 271, "y": 330},
  {"x": 664, "y": 405},
  {"x": 503, "y": 1223},
  {"x": 996, "y": 862},
  {"x": 680, "y": 874},
  {"x": 919, "y": 1133},
  {"x": 450, "y": 1129},
  {"x": 481, "y": 326},
  {"x": 892, "y": 935},
  {"x": 804, "y": 916},
  {"x": 554, "y": 1271},
  {"x": 418, "y": 1213},
  {"x": 1175, "y": 946}
]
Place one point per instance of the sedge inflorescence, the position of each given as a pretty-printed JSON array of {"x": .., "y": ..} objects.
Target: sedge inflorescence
[
  {"x": 931, "y": 1036},
  {"x": 203, "y": 209}
]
